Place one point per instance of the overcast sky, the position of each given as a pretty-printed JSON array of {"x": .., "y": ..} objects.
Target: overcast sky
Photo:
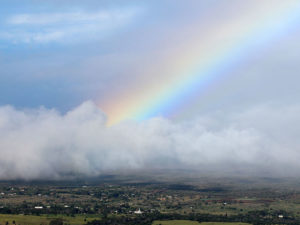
[{"x": 188, "y": 84}]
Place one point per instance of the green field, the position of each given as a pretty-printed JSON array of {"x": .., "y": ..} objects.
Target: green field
[
  {"x": 43, "y": 219},
  {"x": 80, "y": 220},
  {"x": 188, "y": 222}
]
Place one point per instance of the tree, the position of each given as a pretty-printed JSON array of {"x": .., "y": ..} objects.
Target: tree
[{"x": 58, "y": 221}]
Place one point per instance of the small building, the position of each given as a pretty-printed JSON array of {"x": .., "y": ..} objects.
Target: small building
[{"x": 138, "y": 211}]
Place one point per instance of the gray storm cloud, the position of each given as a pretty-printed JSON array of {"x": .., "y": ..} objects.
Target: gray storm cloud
[{"x": 43, "y": 143}]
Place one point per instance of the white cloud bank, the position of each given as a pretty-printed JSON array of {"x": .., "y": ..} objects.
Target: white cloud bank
[{"x": 43, "y": 143}]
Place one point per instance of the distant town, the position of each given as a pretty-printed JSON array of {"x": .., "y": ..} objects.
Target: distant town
[{"x": 248, "y": 201}]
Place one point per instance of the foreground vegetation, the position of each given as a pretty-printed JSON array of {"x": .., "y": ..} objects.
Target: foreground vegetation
[
  {"x": 79, "y": 220},
  {"x": 146, "y": 219},
  {"x": 189, "y": 222},
  {"x": 175, "y": 222},
  {"x": 45, "y": 219}
]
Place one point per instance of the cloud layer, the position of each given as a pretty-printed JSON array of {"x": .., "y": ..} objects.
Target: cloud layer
[{"x": 42, "y": 143}]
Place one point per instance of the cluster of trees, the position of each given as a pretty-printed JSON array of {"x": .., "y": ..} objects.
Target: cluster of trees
[
  {"x": 54, "y": 209},
  {"x": 57, "y": 221}
]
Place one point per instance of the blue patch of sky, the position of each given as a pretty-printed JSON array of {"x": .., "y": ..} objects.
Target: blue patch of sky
[{"x": 33, "y": 73}]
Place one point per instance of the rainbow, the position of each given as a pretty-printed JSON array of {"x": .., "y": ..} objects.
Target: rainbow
[{"x": 207, "y": 55}]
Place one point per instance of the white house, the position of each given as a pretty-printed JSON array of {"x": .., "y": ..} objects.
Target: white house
[{"x": 138, "y": 211}]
